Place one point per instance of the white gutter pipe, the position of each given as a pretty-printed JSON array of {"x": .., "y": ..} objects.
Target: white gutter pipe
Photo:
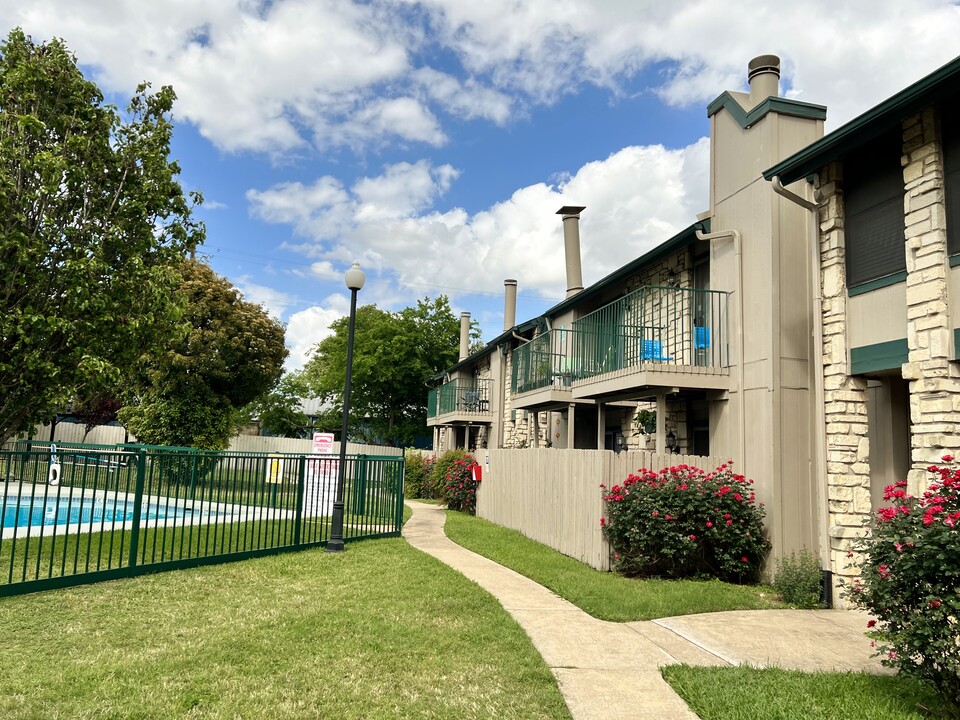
[
  {"x": 738, "y": 250},
  {"x": 823, "y": 503}
]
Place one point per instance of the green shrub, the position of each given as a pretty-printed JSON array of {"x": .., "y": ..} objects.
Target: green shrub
[
  {"x": 798, "y": 580},
  {"x": 910, "y": 580},
  {"x": 682, "y": 522},
  {"x": 417, "y": 476}
]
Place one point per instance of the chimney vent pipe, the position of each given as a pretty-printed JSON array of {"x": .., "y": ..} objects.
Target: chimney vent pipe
[
  {"x": 464, "y": 335},
  {"x": 763, "y": 73},
  {"x": 509, "y": 304},
  {"x": 571, "y": 246}
]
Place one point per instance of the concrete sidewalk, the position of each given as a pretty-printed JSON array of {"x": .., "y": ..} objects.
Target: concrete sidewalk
[{"x": 611, "y": 670}]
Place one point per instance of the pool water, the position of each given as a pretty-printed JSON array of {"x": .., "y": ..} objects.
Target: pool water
[{"x": 83, "y": 510}]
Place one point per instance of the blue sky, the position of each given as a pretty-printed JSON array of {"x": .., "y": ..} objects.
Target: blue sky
[{"x": 434, "y": 141}]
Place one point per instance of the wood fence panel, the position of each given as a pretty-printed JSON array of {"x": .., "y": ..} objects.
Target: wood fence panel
[
  {"x": 67, "y": 432},
  {"x": 553, "y": 496}
]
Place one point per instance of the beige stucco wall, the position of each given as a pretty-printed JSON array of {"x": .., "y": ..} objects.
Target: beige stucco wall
[{"x": 766, "y": 421}]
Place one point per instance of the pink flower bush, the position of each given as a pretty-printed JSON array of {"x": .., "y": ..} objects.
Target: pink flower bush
[
  {"x": 460, "y": 488},
  {"x": 682, "y": 522},
  {"x": 910, "y": 580}
]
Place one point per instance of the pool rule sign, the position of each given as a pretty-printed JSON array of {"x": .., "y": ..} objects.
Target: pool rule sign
[{"x": 321, "y": 484}]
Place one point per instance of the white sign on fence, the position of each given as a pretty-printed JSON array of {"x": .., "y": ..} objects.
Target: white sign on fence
[{"x": 321, "y": 481}]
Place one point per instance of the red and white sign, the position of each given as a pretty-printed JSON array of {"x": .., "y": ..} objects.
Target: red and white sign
[{"x": 321, "y": 478}]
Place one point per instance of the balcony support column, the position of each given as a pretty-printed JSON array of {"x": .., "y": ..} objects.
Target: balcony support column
[
  {"x": 466, "y": 438},
  {"x": 536, "y": 429},
  {"x": 661, "y": 423},
  {"x": 571, "y": 435},
  {"x": 601, "y": 424}
]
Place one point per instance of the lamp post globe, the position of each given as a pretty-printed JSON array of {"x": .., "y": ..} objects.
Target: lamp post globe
[{"x": 354, "y": 279}]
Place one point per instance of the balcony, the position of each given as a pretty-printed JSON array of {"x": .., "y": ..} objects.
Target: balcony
[
  {"x": 461, "y": 401},
  {"x": 654, "y": 337},
  {"x": 543, "y": 371}
]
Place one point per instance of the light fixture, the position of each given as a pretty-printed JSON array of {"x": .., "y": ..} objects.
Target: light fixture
[
  {"x": 672, "y": 442},
  {"x": 672, "y": 279},
  {"x": 354, "y": 279}
]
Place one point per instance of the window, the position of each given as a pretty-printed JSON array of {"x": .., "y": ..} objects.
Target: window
[
  {"x": 873, "y": 210},
  {"x": 951, "y": 180}
]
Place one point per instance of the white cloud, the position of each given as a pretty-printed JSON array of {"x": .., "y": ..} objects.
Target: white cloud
[
  {"x": 636, "y": 199},
  {"x": 276, "y": 76},
  {"x": 275, "y": 301},
  {"x": 308, "y": 327}
]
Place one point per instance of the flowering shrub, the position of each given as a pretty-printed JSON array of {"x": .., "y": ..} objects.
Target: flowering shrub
[
  {"x": 460, "y": 490},
  {"x": 910, "y": 580},
  {"x": 417, "y": 471},
  {"x": 683, "y": 522}
]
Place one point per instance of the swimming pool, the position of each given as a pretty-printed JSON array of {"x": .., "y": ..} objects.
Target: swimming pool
[{"x": 28, "y": 511}]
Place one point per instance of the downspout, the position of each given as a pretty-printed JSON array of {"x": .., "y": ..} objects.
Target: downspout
[
  {"x": 738, "y": 250},
  {"x": 823, "y": 505}
]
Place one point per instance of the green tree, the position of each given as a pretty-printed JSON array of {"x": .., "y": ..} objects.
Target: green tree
[
  {"x": 394, "y": 354},
  {"x": 278, "y": 412},
  {"x": 230, "y": 354},
  {"x": 93, "y": 224}
]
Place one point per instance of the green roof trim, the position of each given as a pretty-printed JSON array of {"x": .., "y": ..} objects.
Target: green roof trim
[
  {"x": 780, "y": 105},
  {"x": 683, "y": 238},
  {"x": 882, "y": 356},
  {"x": 927, "y": 91}
]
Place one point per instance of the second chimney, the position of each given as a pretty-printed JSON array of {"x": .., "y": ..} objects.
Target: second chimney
[
  {"x": 571, "y": 246},
  {"x": 509, "y": 304},
  {"x": 464, "y": 335},
  {"x": 763, "y": 73}
]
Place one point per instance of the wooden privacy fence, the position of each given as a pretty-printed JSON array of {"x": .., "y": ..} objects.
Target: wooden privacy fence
[
  {"x": 553, "y": 496},
  {"x": 69, "y": 432}
]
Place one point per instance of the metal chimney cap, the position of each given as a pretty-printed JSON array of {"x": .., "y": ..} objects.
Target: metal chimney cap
[
  {"x": 509, "y": 282},
  {"x": 763, "y": 64},
  {"x": 571, "y": 210}
]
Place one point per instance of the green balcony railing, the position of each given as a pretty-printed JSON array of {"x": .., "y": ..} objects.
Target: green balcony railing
[
  {"x": 652, "y": 325},
  {"x": 432, "y": 404},
  {"x": 545, "y": 361},
  {"x": 470, "y": 396}
]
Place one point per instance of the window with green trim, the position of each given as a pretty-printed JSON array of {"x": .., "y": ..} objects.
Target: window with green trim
[
  {"x": 873, "y": 210},
  {"x": 950, "y": 116}
]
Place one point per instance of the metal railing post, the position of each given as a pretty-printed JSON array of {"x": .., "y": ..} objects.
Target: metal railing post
[
  {"x": 298, "y": 516},
  {"x": 137, "y": 508}
]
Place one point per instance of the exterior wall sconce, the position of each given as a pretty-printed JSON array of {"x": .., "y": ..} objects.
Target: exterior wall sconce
[
  {"x": 672, "y": 279},
  {"x": 672, "y": 445}
]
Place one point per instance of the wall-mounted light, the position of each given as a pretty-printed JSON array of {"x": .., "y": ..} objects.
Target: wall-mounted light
[
  {"x": 672, "y": 279},
  {"x": 672, "y": 445}
]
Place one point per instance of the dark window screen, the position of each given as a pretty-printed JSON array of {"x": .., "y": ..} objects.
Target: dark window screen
[
  {"x": 873, "y": 210},
  {"x": 950, "y": 131}
]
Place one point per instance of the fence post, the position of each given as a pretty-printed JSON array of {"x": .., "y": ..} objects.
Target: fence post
[
  {"x": 399, "y": 510},
  {"x": 298, "y": 517},
  {"x": 137, "y": 507},
  {"x": 360, "y": 485}
]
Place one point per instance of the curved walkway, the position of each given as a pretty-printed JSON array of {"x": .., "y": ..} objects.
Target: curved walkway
[{"x": 611, "y": 670}]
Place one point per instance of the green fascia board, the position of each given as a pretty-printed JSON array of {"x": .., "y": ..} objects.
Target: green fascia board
[
  {"x": 783, "y": 106},
  {"x": 883, "y": 282},
  {"x": 954, "y": 260},
  {"x": 927, "y": 91},
  {"x": 888, "y": 355},
  {"x": 956, "y": 344},
  {"x": 685, "y": 237}
]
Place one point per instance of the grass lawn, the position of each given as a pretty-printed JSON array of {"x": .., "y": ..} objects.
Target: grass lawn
[
  {"x": 379, "y": 631},
  {"x": 604, "y": 595},
  {"x": 772, "y": 694}
]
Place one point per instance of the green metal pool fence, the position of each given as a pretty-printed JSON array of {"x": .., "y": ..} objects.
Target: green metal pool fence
[{"x": 75, "y": 514}]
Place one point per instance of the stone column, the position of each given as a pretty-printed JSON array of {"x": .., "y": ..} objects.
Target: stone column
[
  {"x": 845, "y": 397},
  {"x": 934, "y": 380}
]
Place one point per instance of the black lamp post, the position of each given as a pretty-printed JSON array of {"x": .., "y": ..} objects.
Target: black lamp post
[{"x": 354, "y": 279}]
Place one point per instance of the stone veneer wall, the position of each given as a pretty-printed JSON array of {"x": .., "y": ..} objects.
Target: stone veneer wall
[
  {"x": 845, "y": 397},
  {"x": 934, "y": 379}
]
